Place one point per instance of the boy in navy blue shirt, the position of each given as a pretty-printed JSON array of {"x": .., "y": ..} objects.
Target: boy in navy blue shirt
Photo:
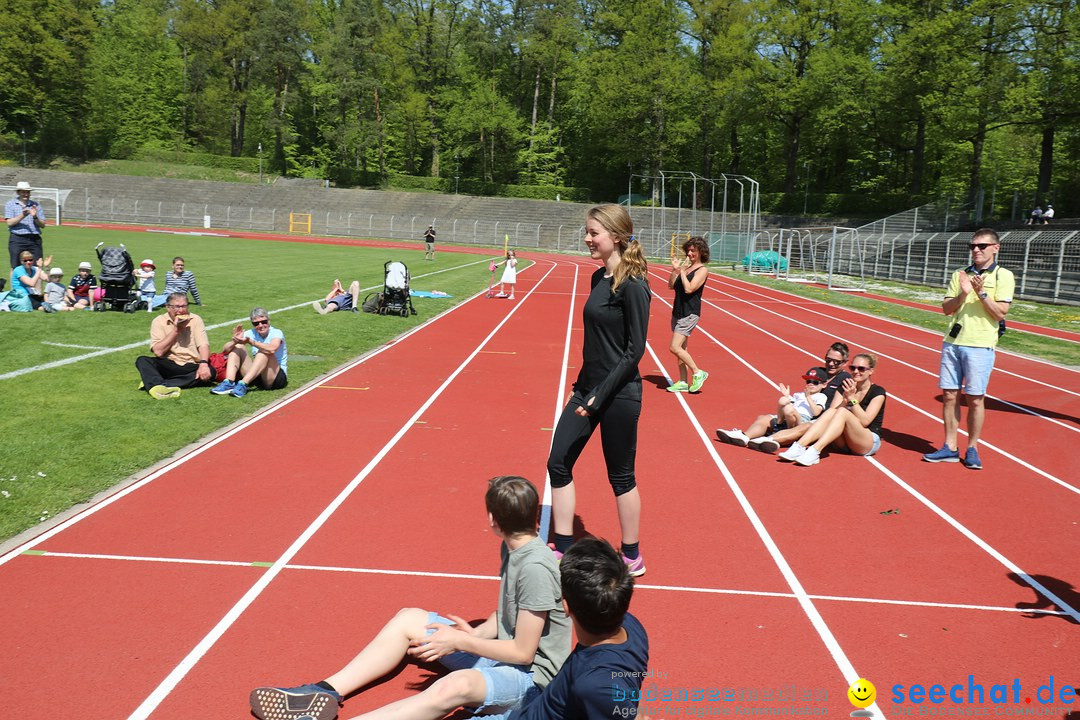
[{"x": 602, "y": 677}]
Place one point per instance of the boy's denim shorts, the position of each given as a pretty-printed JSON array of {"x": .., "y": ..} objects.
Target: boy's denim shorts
[
  {"x": 966, "y": 367},
  {"x": 506, "y": 686}
]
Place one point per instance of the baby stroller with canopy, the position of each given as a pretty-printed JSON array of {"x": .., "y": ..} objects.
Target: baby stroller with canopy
[
  {"x": 395, "y": 296},
  {"x": 117, "y": 280}
]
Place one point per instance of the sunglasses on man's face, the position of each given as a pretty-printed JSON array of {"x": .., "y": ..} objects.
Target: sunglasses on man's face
[
  {"x": 832, "y": 361},
  {"x": 980, "y": 246}
]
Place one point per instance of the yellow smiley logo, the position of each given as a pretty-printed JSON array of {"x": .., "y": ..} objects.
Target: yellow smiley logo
[{"x": 862, "y": 693}]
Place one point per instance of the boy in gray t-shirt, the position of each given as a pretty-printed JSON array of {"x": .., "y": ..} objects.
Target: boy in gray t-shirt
[
  {"x": 54, "y": 292},
  {"x": 511, "y": 656}
]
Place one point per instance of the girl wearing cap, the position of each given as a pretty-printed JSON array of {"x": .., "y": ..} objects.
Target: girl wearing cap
[
  {"x": 853, "y": 426},
  {"x": 607, "y": 392},
  {"x": 147, "y": 288}
]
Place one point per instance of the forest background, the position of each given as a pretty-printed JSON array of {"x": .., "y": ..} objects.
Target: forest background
[{"x": 890, "y": 101}]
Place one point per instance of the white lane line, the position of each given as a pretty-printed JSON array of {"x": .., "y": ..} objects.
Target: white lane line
[
  {"x": 181, "y": 670},
  {"x": 560, "y": 402},
  {"x": 892, "y": 396},
  {"x": 146, "y": 342},
  {"x": 847, "y": 670},
  {"x": 957, "y": 525},
  {"x": 1013, "y": 567},
  {"x": 923, "y": 370},
  {"x": 495, "y": 578},
  {"x": 803, "y": 301}
]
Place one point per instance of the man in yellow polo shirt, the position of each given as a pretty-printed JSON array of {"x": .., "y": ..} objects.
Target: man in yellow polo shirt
[
  {"x": 977, "y": 300},
  {"x": 181, "y": 351}
]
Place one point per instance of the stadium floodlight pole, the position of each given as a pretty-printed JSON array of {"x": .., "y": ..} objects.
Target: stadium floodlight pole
[
  {"x": 260, "y": 163},
  {"x": 806, "y": 191},
  {"x": 24, "y": 147}
]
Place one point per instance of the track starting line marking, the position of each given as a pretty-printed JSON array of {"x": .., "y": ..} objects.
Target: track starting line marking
[{"x": 494, "y": 578}]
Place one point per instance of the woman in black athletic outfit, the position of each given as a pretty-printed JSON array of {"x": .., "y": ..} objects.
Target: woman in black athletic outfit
[{"x": 607, "y": 392}]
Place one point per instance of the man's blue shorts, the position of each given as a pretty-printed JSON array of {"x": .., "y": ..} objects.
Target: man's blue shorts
[
  {"x": 507, "y": 686},
  {"x": 966, "y": 367}
]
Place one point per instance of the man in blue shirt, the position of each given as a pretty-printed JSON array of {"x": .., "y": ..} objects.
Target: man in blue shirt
[
  {"x": 265, "y": 365},
  {"x": 24, "y": 218}
]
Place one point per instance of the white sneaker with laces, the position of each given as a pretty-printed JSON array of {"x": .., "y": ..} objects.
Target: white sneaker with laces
[
  {"x": 792, "y": 452},
  {"x": 808, "y": 457},
  {"x": 765, "y": 444}
]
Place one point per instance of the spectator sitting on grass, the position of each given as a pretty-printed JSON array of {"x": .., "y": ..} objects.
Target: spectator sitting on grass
[
  {"x": 178, "y": 280},
  {"x": 338, "y": 299},
  {"x": 80, "y": 292},
  {"x": 265, "y": 366},
  {"x": 55, "y": 292},
  {"x": 26, "y": 283},
  {"x": 181, "y": 352}
]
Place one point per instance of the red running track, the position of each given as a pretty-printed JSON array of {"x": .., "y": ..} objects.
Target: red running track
[{"x": 271, "y": 553}]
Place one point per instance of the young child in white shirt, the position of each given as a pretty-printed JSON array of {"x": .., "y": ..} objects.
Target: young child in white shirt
[{"x": 147, "y": 287}]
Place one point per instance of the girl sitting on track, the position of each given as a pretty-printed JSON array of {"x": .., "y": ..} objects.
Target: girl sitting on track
[
  {"x": 607, "y": 392},
  {"x": 853, "y": 426},
  {"x": 687, "y": 279}
]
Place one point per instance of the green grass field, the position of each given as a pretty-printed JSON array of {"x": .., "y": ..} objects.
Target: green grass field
[{"x": 75, "y": 430}]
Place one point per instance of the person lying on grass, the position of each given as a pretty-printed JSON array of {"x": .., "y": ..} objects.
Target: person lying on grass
[
  {"x": 338, "y": 299},
  {"x": 494, "y": 667},
  {"x": 853, "y": 426}
]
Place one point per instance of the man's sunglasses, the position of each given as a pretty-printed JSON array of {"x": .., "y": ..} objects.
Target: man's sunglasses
[{"x": 980, "y": 246}]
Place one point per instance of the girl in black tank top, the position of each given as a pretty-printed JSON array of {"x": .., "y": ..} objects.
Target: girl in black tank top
[{"x": 687, "y": 279}]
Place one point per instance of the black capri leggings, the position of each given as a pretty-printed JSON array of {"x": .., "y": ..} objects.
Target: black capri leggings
[{"x": 618, "y": 435}]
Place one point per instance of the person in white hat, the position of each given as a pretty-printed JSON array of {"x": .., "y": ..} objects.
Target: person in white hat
[
  {"x": 80, "y": 292},
  {"x": 147, "y": 286},
  {"x": 25, "y": 218},
  {"x": 55, "y": 292}
]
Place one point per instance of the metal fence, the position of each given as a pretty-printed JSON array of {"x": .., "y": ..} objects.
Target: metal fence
[
  {"x": 658, "y": 228},
  {"x": 923, "y": 246}
]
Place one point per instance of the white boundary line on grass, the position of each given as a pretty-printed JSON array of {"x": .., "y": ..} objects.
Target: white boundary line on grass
[
  {"x": 806, "y": 301},
  {"x": 495, "y": 578},
  {"x": 146, "y": 343},
  {"x": 847, "y": 669},
  {"x": 949, "y": 519},
  {"x": 181, "y": 670}
]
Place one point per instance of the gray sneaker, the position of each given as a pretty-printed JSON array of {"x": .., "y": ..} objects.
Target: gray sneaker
[
  {"x": 732, "y": 437},
  {"x": 303, "y": 701},
  {"x": 764, "y": 444}
]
